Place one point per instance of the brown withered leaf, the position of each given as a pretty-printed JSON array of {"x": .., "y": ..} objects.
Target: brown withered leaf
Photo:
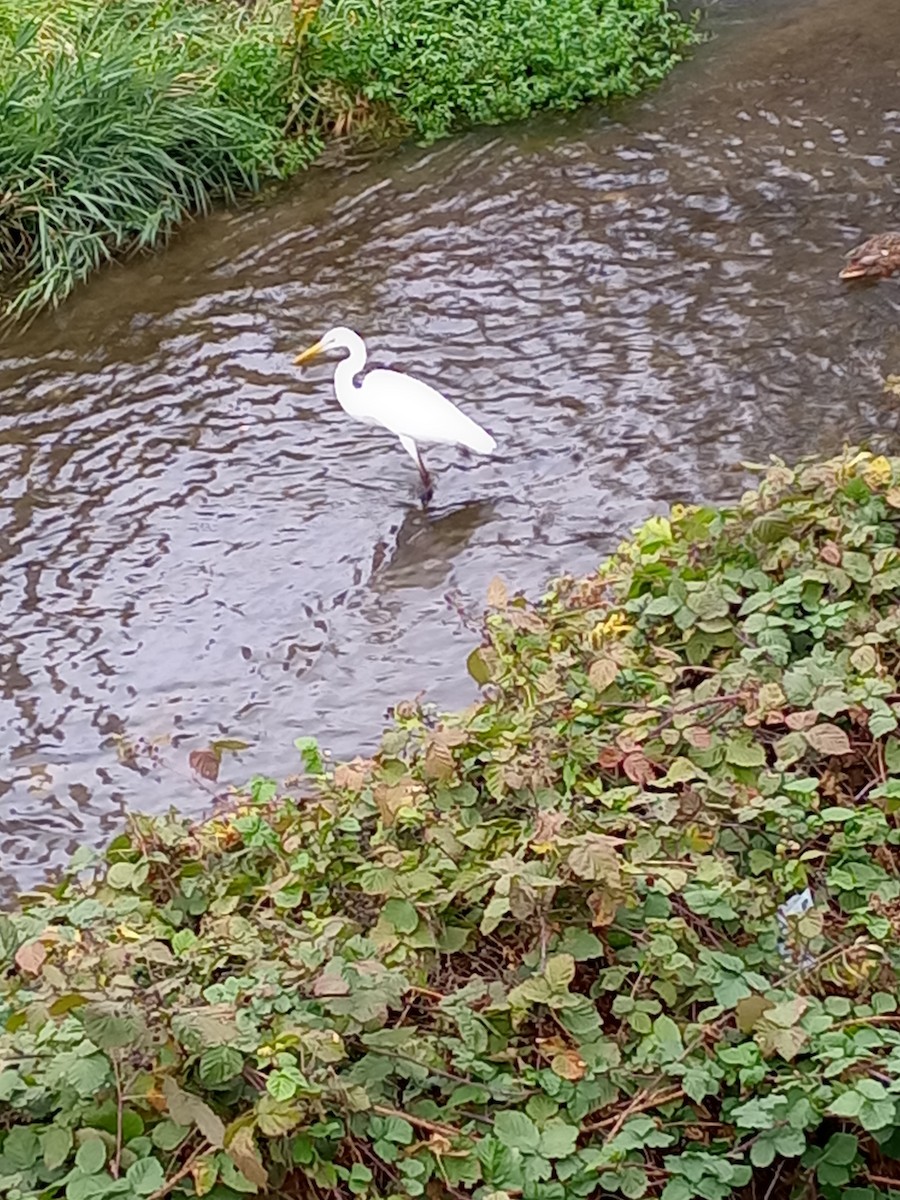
[
  {"x": 564, "y": 1061},
  {"x": 228, "y": 746},
  {"x": 568, "y": 1064},
  {"x": 603, "y": 906},
  {"x": 30, "y": 957},
  {"x": 391, "y": 798},
  {"x": 206, "y": 763},
  {"x": 801, "y": 719},
  {"x": 439, "y": 763},
  {"x": 525, "y": 620},
  {"x": 497, "y": 595},
  {"x": 610, "y": 758},
  {"x": 242, "y": 1149},
  {"x": 547, "y": 827},
  {"x": 330, "y": 985},
  {"x": 639, "y": 768},
  {"x": 594, "y": 856},
  {"x": 892, "y": 495},
  {"x": 828, "y": 739},
  {"x": 831, "y": 553},
  {"x": 602, "y": 673},
  {"x": 749, "y": 1010},
  {"x": 350, "y": 776},
  {"x": 204, "y": 1172}
]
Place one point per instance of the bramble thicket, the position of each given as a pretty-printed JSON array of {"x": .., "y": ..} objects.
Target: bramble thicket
[{"x": 627, "y": 927}]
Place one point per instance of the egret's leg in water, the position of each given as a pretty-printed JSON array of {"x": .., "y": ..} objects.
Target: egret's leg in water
[
  {"x": 427, "y": 485},
  {"x": 413, "y": 451}
]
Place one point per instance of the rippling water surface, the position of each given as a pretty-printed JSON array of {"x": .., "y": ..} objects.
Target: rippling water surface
[{"x": 195, "y": 542}]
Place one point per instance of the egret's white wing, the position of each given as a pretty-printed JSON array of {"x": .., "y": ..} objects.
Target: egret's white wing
[{"x": 410, "y": 408}]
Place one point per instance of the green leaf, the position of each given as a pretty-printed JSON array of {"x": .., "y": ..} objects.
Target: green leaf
[
  {"x": 743, "y": 753},
  {"x": 88, "y": 1075},
  {"x": 762, "y": 1152},
  {"x": 276, "y": 1117},
  {"x": 56, "y": 1144},
  {"x": 582, "y": 945},
  {"x": 21, "y": 1148},
  {"x": 560, "y": 971},
  {"x": 557, "y": 1140},
  {"x": 395, "y": 1129},
  {"x": 91, "y": 1156},
  {"x": 877, "y": 1114},
  {"x": 402, "y": 915},
  {"x": 121, "y": 875},
  {"x": 360, "y": 1178},
  {"x": 516, "y": 1131},
  {"x": 477, "y": 668},
  {"x": 168, "y": 1135},
  {"x": 841, "y": 1149},
  {"x": 848, "y": 1104},
  {"x": 218, "y": 1065},
  {"x": 668, "y": 1035},
  {"x": 108, "y": 1026},
  {"x": 310, "y": 754},
  {"x": 145, "y": 1176}
]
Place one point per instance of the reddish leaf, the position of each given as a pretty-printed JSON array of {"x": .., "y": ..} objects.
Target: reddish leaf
[
  {"x": 330, "y": 985},
  {"x": 30, "y": 957},
  {"x": 497, "y": 595},
  {"x": 610, "y": 758},
  {"x": 205, "y": 763},
  {"x": 698, "y": 736},
  {"x": 828, "y": 739},
  {"x": 802, "y": 719},
  {"x": 639, "y": 768}
]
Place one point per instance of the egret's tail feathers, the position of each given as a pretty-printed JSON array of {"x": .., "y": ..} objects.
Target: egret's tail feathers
[{"x": 480, "y": 440}]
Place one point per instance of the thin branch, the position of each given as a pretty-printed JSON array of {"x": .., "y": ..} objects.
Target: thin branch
[
  {"x": 120, "y": 1103},
  {"x": 180, "y": 1174},
  {"x": 431, "y": 1126},
  {"x": 772, "y": 1185},
  {"x": 640, "y": 1103}
]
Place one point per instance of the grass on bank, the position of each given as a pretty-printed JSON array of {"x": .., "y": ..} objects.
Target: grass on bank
[
  {"x": 120, "y": 118},
  {"x": 534, "y": 950}
]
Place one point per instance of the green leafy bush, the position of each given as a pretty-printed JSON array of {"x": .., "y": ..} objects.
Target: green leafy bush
[
  {"x": 535, "y": 949},
  {"x": 442, "y": 65}
]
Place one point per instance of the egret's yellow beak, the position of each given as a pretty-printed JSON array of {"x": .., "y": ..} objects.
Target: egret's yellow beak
[{"x": 309, "y": 353}]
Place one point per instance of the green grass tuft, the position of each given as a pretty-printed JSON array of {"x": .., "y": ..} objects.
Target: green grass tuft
[{"x": 118, "y": 120}]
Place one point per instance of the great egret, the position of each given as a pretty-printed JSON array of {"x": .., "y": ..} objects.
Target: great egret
[{"x": 404, "y": 406}]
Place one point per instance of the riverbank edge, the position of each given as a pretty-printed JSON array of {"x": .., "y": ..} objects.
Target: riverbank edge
[
  {"x": 271, "y": 88},
  {"x": 630, "y": 921}
]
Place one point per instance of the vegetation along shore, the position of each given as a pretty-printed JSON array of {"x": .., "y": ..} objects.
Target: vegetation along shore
[
  {"x": 625, "y": 927},
  {"x": 120, "y": 118}
]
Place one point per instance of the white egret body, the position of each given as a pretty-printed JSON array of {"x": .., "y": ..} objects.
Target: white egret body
[{"x": 406, "y": 407}]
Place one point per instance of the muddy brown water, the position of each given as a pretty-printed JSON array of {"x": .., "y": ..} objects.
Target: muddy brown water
[{"x": 195, "y": 542}]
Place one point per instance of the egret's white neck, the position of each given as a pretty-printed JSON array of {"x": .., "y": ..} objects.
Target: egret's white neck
[{"x": 346, "y": 371}]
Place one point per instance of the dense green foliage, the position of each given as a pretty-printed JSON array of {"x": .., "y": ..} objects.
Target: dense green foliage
[
  {"x": 118, "y": 118},
  {"x": 442, "y": 65},
  {"x": 534, "y": 949}
]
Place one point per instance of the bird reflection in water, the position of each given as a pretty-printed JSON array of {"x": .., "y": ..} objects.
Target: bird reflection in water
[{"x": 421, "y": 549}]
